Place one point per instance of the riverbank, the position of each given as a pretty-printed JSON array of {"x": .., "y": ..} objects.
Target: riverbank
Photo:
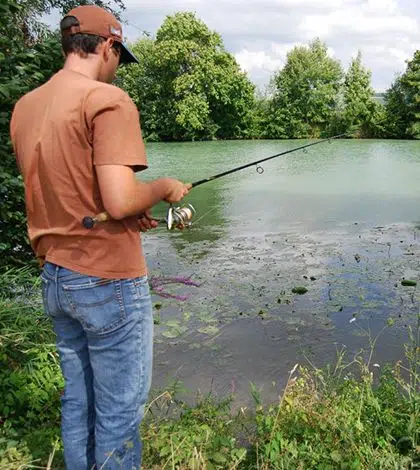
[{"x": 353, "y": 414}]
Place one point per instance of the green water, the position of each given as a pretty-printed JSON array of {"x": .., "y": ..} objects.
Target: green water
[{"x": 341, "y": 219}]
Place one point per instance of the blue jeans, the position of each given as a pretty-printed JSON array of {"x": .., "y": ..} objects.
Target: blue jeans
[{"x": 104, "y": 331}]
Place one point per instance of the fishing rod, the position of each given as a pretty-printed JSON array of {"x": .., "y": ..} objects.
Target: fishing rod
[{"x": 180, "y": 217}]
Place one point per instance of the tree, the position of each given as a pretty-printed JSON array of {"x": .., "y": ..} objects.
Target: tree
[
  {"x": 402, "y": 103},
  {"x": 396, "y": 106},
  {"x": 259, "y": 127},
  {"x": 411, "y": 83},
  {"x": 189, "y": 87},
  {"x": 138, "y": 81},
  {"x": 358, "y": 96},
  {"x": 305, "y": 93}
]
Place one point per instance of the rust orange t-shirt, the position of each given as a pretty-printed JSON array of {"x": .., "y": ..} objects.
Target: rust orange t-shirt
[{"x": 59, "y": 132}]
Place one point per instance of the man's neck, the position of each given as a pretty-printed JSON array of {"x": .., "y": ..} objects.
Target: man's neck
[{"x": 86, "y": 66}]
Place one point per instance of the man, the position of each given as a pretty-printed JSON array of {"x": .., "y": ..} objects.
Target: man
[{"x": 77, "y": 141}]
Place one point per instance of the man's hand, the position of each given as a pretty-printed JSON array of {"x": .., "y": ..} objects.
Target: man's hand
[
  {"x": 123, "y": 195},
  {"x": 147, "y": 222},
  {"x": 177, "y": 190}
]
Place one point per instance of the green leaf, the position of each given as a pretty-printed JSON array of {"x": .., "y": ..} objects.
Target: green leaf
[
  {"x": 210, "y": 330},
  {"x": 335, "y": 456},
  {"x": 218, "y": 457}
]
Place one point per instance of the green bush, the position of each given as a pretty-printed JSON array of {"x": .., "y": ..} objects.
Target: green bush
[
  {"x": 24, "y": 65},
  {"x": 30, "y": 375}
]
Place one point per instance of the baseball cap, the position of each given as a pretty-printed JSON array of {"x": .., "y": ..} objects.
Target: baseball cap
[{"x": 100, "y": 22}]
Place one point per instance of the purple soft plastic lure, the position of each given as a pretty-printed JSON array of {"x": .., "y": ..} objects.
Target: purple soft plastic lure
[{"x": 157, "y": 283}]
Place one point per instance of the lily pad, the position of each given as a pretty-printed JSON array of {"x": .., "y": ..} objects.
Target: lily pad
[
  {"x": 174, "y": 332},
  {"x": 209, "y": 330},
  {"x": 299, "y": 290}
]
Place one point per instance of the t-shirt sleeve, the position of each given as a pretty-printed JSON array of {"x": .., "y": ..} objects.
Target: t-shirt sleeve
[{"x": 116, "y": 133}]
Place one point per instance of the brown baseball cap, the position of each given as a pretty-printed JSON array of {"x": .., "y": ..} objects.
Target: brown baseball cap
[{"x": 100, "y": 22}]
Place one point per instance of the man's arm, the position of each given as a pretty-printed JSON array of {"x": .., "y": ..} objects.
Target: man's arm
[
  {"x": 123, "y": 195},
  {"x": 118, "y": 149}
]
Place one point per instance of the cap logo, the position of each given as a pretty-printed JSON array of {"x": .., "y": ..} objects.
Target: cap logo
[{"x": 115, "y": 31}]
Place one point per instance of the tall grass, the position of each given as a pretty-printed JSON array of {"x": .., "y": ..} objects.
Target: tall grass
[{"x": 349, "y": 415}]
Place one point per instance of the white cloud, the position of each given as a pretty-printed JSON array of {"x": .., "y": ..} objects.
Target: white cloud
[
  {"x": 375, "y": 6},
  {"x": 257, "y": 60},
  {"x": 282, "y": 50},
  {"x": 362, "y": 22},
  {"x": 269, "y": 62},
  {"x": 261, "y": 32}
]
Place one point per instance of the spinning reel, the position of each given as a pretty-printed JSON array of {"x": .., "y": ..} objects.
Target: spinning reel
[{"x": 179, "y": 217}]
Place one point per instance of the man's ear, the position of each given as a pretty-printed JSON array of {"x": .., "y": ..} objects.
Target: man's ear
[{"x": 107, "y": 47}]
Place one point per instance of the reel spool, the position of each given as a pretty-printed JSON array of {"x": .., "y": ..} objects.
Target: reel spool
[{"x": 180, "y": 217}]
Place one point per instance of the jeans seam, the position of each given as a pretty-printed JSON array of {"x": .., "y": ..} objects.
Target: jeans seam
[
  {"x": 57, "y": 296},
  {"x": 141, "y": 353},
  {"x": 45, "y": 286},
  {"x": 88, "y": 285},
  {"x": 120, "y": 300}
]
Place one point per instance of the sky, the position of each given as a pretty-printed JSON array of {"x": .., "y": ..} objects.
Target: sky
[{"x": 260, "y": 33}]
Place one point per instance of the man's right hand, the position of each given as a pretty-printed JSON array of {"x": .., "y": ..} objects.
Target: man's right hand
[{"x": 176, "y": 190}]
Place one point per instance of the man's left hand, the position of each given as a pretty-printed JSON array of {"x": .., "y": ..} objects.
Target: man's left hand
[{"x": 147, "y": 222}]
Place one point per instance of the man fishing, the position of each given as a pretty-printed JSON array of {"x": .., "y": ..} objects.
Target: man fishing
[{"x": 78, "y": 144}]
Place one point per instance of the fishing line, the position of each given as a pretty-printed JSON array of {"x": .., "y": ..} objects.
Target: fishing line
[{"x": 204, "y": 215}]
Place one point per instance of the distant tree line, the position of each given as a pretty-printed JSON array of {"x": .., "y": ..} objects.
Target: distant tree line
[{"x": 189, "y": 87}]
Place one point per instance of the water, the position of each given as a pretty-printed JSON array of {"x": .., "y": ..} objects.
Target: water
[{"x": 341, "y": 219}]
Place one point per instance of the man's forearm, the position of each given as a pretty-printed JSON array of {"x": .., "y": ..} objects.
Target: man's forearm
[
  {"x": 123, "y": 195},
  {"x": 144, "y": 195}
]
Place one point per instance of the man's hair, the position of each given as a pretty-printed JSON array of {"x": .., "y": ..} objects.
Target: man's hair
[{"x": 79, "y": 43}]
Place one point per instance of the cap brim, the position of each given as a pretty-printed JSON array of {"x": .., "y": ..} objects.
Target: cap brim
[{"x": 127, "y": 57}]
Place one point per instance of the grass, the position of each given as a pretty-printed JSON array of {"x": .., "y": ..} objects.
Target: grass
[{"x": 350, "y": 415}]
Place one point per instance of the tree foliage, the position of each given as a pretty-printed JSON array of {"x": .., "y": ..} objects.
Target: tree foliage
[
  {"x": 360, "y": 108},
  {"x": 403, "y": 102},
  {"x": 306, "y": 91},
  {"x": 397, "y": 117},
  {"x": 188, "y": 86}
]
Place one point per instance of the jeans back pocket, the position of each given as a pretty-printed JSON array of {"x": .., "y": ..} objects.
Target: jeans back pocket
[{"x": 98, "y": 304}]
